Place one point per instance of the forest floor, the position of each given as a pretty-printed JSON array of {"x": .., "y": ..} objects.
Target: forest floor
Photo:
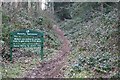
[{"x": 52, "y": 68}]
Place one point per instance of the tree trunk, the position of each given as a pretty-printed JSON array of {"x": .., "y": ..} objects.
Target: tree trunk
[
  {"x": 52, "y": 8},
  {"x": 29, "y": 9},
  {"x": 0, "y": 19},
  {"x": 39, "y": 8},
  {"x": 16, "y": 3},
  {"x": 102, "y": 8}
]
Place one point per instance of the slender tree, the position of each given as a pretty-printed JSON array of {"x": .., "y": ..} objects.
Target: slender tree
[
  {"x": 0, "y": 19},
  {"x": 29, "y": 8},
  {"x": 39, "y": 8}
]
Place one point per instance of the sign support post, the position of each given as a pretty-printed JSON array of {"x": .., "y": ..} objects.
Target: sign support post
[
  {"x": 42, "y": 41},
  {"x": 10, "y": 47},
  {"x": 11, "y": 54}
]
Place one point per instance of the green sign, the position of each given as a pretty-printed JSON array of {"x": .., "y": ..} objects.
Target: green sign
[{"x": 26, "y": 38}]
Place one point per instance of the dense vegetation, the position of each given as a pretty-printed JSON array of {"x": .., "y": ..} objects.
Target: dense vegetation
[
  {"x": 92, "y": 29},
  {"x": 93, "y": 32},
  {"x": 19, "y": 18}
]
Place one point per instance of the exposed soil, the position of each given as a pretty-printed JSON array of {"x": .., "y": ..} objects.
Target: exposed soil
[{"x": 52, "y": 68}]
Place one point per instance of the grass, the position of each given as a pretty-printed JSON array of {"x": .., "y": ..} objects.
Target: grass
[
  {"x": 13, "y": 70},
  {"x": 23, "y": 64}
]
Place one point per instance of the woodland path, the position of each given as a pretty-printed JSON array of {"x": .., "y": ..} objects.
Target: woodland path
[{"x": 52, "y": 68}]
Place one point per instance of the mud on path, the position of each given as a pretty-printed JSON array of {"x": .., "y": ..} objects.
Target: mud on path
[{"x": 52, "y": 68}]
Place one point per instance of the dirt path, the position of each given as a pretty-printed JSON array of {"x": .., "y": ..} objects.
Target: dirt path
[{"x": 52, "y": 68}]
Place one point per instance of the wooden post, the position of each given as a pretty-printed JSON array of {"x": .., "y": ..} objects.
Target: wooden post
[
  {"x": 11, "y": 47},
  {"x": 42, "y": 45}
]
